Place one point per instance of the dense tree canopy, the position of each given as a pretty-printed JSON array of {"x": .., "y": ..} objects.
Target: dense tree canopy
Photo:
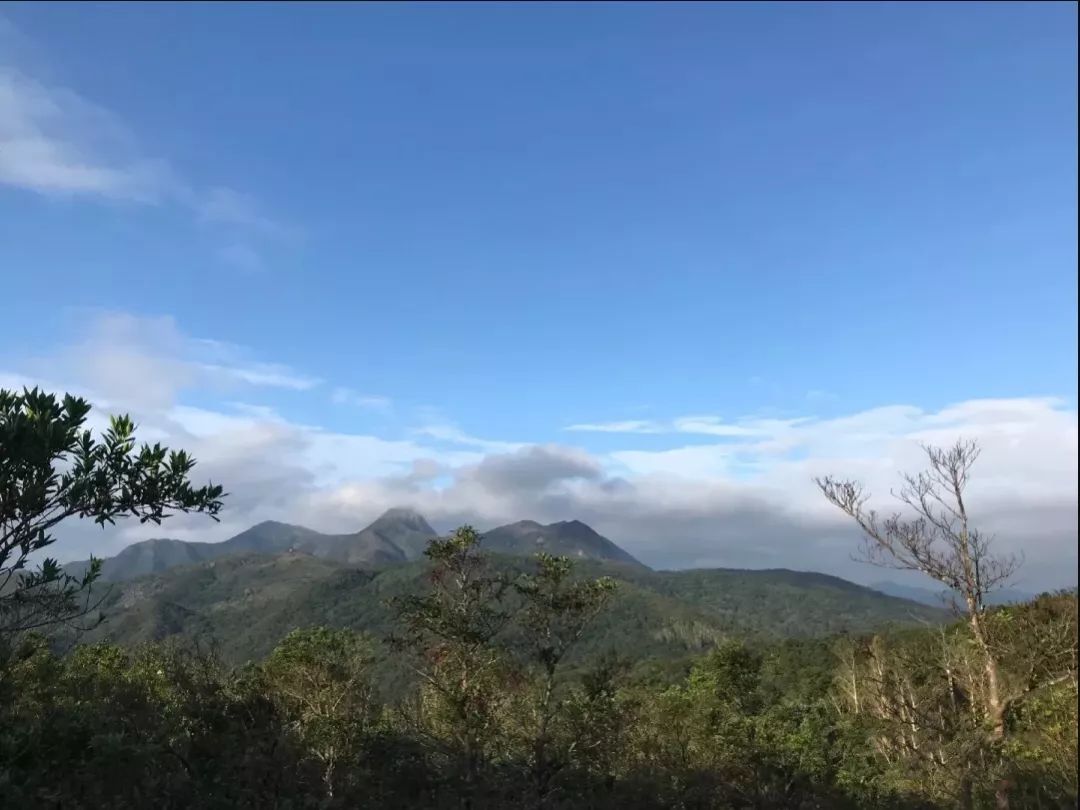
[{"x": 880, "y": 721}]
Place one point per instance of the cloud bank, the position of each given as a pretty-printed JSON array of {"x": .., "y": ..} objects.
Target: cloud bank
[{"x": 724, "y": 493}]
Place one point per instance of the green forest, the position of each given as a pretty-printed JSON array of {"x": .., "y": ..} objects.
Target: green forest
[{"x": 488, "y": 683}]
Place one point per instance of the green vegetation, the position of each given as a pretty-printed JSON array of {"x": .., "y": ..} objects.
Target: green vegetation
[
  {"x": 889, "y": 720},
  {"x": 485, "y": 681},
  {"x": 246, "y": 604}
]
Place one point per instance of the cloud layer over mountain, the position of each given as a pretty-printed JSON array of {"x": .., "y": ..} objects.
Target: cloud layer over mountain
[{"x": 717, "y": 493}]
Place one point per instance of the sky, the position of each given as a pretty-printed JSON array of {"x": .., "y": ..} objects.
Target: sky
[{"x": 651, "y": 266}]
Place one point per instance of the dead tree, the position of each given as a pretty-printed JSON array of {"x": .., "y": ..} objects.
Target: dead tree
[{"x": 936, "y": 539}]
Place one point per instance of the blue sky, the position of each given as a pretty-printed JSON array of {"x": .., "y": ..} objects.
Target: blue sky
[{"x": 509, "y": 220}]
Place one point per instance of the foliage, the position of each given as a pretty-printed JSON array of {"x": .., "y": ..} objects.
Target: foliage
[
  {"x": 52, "y": 469},
  {"x": 451, "y": 631},
  {"x": 746, "y": 726},
  {"x": 247, "y": 603},
  {"x": 319, "y": 679}
]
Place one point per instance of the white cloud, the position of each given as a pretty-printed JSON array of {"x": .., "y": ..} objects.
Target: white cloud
[
  {"x": 699, "y": 425},
  {"x": 54, "y": 142},
  {"x": 1033, "y": 442},
  {"x": 346, "y": 396},
  {"x": 627, "y": 426},
  {"x": 714, "y": 426},
  {"x": 451, "y": 434},
  {"x": 57, "y": 143},
  {"x": 145, "y": 362},
  {"x": 750, "y": 500},
  {"x": 264, "y": 374},
  {"x": 230, "y": 207},
  {"x": 227, "y": 207}
]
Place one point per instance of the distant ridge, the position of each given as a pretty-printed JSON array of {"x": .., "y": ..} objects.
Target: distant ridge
[
  {"x": 398, "y": 535},
  {"x": 375, "y": 545},
  {"x": 940, "y": 597}
]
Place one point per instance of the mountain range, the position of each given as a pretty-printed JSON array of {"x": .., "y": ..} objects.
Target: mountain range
[
  {"x": 397, "y": 536},
  {"x": 246, "y": 593}
]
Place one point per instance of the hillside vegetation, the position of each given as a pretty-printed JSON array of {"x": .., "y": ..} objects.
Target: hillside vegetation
[
  {"x": 246, "y": 603},
  {"x": 465, "y": 694}
]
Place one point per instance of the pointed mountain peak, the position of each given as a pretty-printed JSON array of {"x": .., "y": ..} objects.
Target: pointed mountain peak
[
  {"x": 153, "y": 542},
  {"x": 402, "y": 528},
  {"x": 521, "y": 526},
  {"x": 270, "y": 524},
  {"x": 401, "y": 512},
  {"x": 274, "y": 527},
  {"x": 571, "y": 538},
  {"x": 574, "y": 526},
  {"x": 268, "y": 537},
  {"x": 404, "y": 516}
]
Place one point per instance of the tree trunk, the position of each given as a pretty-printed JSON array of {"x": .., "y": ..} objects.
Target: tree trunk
[
  {"x": 994, "y": 704},
  {"x": 967, "y": 799},
  {"x": 541, "y": 766}
]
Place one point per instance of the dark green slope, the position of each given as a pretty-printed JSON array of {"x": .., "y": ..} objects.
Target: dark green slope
[
  {"x": 247, "y": 603},
  {"x": 790, "y": 604},
  {"x": 222, "y": 600}
]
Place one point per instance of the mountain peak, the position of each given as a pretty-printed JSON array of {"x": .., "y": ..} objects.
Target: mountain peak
[
  {"x": 268, "y": 524},
  {"x": 402, "y": 528},
  {"x": 570, "y": 538},
  {"x": 402, "y": 514},
  {"x": 154, "y": 542},
  {"x": 576, "y": 526},
  {"x": 522, "y": 526}
]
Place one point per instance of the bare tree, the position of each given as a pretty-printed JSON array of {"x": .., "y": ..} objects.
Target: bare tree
[{"x": 936, "y": 539}]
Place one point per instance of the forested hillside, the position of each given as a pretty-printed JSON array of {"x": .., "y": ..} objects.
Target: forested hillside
[
  {"x": 245, "y": 604},
  {"x": 466, "y": 694}
]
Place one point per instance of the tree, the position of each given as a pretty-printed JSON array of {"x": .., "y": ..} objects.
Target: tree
[
  {"x": 938, "y": 540},
  {"x": 321, "y": 679},
  {"x": 52, "y": 469},
  {"x": 599, "y": 715},
  {"x": 453, "y": 628},
  {"x": 556, "y": 613}
]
